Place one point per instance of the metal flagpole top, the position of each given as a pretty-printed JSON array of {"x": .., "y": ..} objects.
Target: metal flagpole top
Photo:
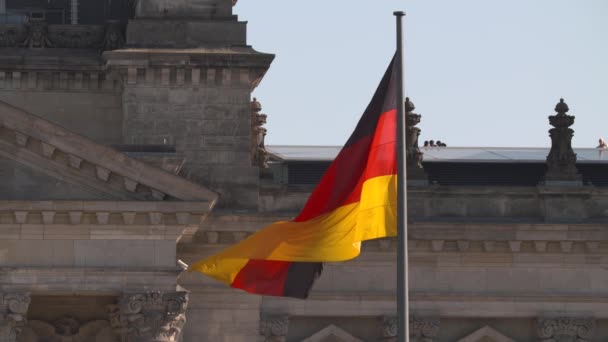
[{"x": 399, "y": 13}]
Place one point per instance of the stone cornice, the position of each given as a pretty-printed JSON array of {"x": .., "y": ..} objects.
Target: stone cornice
[
  {"x": 231, "y": 67},
  {"x": 442, "y": 304},
  {"x": 100, "y": 280},
  {"x": 212, "y": 57},
  {"x": 36, "y": 138},
  {"x": 38, "y": 78}
]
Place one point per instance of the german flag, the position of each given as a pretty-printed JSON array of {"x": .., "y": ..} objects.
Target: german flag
[{"x": 356, "y": 200}]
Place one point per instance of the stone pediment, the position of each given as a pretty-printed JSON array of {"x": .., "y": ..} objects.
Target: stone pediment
[
  {"x": 332, "y": 333},
  {"x": 486, "y": 334},
  {"x": 52, "y": 150}
]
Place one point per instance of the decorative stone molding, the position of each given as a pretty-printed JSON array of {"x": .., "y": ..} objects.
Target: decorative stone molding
[
  {"x": 153, "y": 316},
  {"x": 273, "y": 328},
  {"x": 194, "y": 76},
  {"x": 259, "y": 154},
  {"x": 561, "y": 161},
  {"x": 68, "y": 328},
  {"x": 102, "y": 213},
  {"x": 421, "y": 329},
  {"x": 14, "y": 315},
  {"x": 74, "y": 81},
  {"x": 38, "y": 34},
  {"x": 565, "y": 329}
]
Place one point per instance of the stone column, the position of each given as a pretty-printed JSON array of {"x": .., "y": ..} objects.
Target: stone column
[
  {"x": 565, "y": 329},
  {"x": 274, "y": 328},
  {"x": 415, "y": 172},
  {"x": 421, "y": 329},
  {"x": 14, "y": 315},
  {"x": 561, "y": 161},
  {"x": 149, "y": 317}
]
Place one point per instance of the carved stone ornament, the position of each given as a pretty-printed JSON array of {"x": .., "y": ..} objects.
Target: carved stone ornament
[
  {"x": 274, "y": 328},
  {"x": 37, "y": 34},
  {"x": 420, "y": 329},
  {"x": 258, "y": 148},
  {"x": 153, "y": 316},
  {"x": 563, "y": 329},
  {"x": 14, "y": 315},
  {"x": 12, "y": 35},
  {"x": 561, "y": 161}
]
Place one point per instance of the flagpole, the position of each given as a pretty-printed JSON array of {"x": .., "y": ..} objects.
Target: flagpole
[{"x": 402, "y": 265}]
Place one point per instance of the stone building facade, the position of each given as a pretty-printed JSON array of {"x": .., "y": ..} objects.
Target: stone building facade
[{"x": 130, "y": 146}]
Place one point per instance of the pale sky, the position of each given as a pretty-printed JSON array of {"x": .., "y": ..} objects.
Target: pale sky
[{"x": 481, "y": 72}]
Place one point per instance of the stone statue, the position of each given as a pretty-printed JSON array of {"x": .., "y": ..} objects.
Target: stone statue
[
  {"x": 414, "y": 156},
  {"x": 113, "y": 37},
  {"x": 258, "y": 151},
  {"x": 37, "y": 36}
]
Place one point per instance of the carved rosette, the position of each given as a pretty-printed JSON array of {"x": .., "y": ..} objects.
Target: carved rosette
[
  {"x": 389, "y": 328},
  {"x": 564, "y": 329},
  {"x": 414, "y": 156},
  {"x": 420, "y": 329},
  {"x": 14, "y": 315},
  {"x": 274, "y": 328},
  {"x": 259, "y": 155},
  {"x": 152, "y": 316},
  {"x": 561, "y": 161}
]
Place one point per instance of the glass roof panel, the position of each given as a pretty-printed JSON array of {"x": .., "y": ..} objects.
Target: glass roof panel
[{"x": 444, "y": 154}]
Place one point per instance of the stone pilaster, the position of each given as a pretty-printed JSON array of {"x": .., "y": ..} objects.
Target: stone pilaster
[
  {"x": 565, "y": 329},
  {"x": 274, "y": 328},
  {"x": 420, "y": 329},
  {"x": 14, "y": 314},
  {"x": 149, "y": 317},
  {"x": 414, "y": 156},
  {"x": 561, "y": 161}
]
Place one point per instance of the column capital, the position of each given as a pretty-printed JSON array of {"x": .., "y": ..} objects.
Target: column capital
[
  {"x": 149, "y": 317},
  {"x": 13, "y": 315},
  {"x": 565, "y": 329},
  {"x": 422, "y": 329},
  {"x": 274, "y": 328}
]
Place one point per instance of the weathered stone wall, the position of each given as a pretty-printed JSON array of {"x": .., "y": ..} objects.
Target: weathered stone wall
[
  {"x": 79, "y": 97},
  {"x": 478, "y": 257},
  {"x": 21, "y": 183},
  {"x": 199, "y": 102}
]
